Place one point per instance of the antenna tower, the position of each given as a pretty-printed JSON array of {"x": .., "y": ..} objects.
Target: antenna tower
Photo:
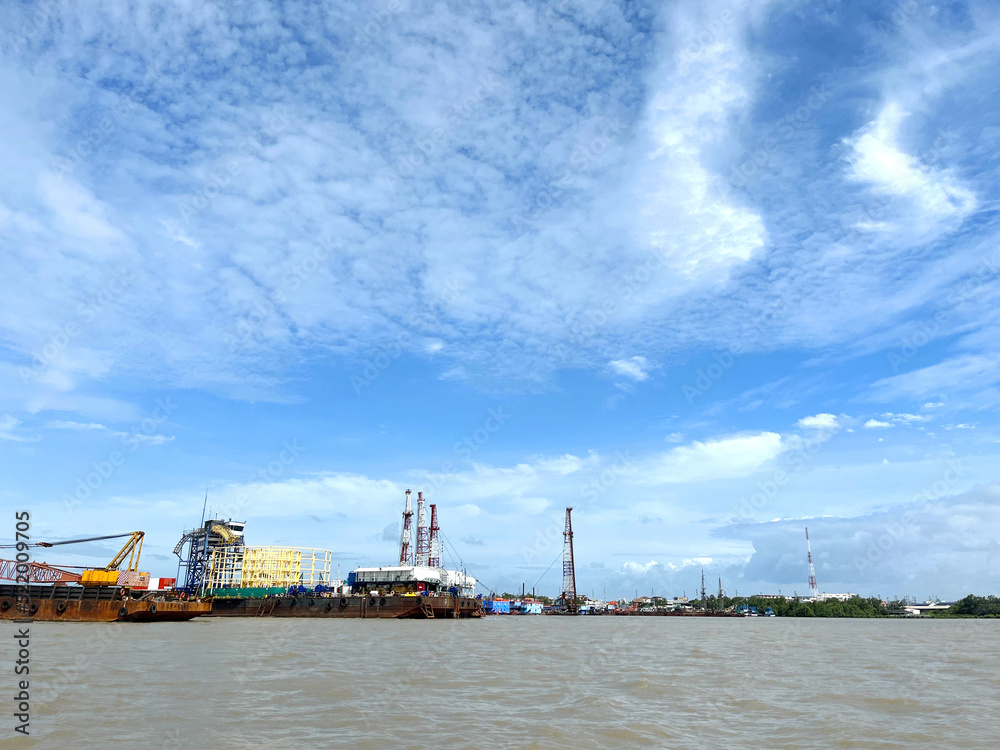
[
  {"x": 704, "y": 596},
  {"x": 406, "y": 541},
  {"x": 813, "y": 589},
  {"x": 423, "y": 533},
  {"x": 569, "y": 566},
  {"x": 434, "y": 557}
]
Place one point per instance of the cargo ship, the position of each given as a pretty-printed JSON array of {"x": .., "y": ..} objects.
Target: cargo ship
[{"x": 246, "y": 581}]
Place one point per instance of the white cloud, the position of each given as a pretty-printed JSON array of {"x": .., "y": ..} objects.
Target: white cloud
[
  {"x": 143, "y": 438},
  {"x": 932, "y": 195},
  {"x": 8, "y": 424},
  {"x": 819, "y": 422},
  {"x": 967, "y": 371},
  {"x": 872, "y": 424},
  {"x": 76, "y": 209},
  {"x": 695, "y": 92},
  {"x": 722, "y": 458},
  {"x": 69, "y": 425},
  {"x": 905, "y": 418},
  {"x": 635, "y": 368},
  {"x": 640, "y": 568}
]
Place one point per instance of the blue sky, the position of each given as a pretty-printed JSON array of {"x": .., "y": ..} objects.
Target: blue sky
[{"x": 707, "y": 273}]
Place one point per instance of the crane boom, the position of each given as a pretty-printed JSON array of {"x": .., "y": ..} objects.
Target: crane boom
[{"x": 131, "y": 550}]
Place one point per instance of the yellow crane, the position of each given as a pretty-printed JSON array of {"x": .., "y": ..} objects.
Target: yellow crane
[{"x": 110, "y": 574}]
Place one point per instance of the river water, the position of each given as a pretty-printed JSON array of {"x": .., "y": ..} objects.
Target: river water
[{"x": 531, "y": 681}]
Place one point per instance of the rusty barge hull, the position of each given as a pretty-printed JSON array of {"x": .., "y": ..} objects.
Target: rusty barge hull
[
  {"x": 682, "y": 613},
  {"x": 92, "y": 604},
  {"x": 384, "y": 607}
]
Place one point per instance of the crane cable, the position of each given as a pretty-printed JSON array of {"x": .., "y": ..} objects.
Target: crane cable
[
  {"x": 68, "y": 541},
  {"x": 546, "y": 571}
]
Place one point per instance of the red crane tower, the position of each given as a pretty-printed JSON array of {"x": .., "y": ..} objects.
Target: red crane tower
[
  {"x": 434, "y": 557},
  {"x": 569, "y": 567},
  {"x": 405, "y": 541}
]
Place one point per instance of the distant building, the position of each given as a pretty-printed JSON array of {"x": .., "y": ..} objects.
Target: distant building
[
  {"x": 828, "y": 597},
  {"x": 922, "y": 610},
  {"x": 496, "y": 606},
  {"x": 529, "y": 607}
]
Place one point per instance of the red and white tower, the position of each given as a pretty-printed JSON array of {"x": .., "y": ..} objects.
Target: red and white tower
[
  {"x": 813, "y": 589},
  {"x": 434, "y": 560},
  {"x": 405, "y": 541},
  {"x": 423, "y": 533}
]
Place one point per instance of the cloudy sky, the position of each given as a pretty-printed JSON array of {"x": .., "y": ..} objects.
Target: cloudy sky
[{"x": 708, "y": 273}]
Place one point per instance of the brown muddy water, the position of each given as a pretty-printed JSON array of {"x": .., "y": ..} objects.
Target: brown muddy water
[{"x": 540, "y": 682}]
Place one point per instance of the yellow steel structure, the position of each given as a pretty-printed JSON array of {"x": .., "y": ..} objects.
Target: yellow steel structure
[
  {"x": 111, "y": 575},
  {"x": 132, "y": 550},
  {"x": 264, "y": 567}
]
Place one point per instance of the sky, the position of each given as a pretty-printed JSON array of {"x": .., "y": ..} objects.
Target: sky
[{"x": 709, "y": 273}]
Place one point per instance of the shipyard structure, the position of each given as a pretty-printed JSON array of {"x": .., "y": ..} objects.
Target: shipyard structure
[{"x": 245, "y": 581}]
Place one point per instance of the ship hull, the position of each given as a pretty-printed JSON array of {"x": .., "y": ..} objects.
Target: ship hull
[
  {"x": 92, "y": 604},
  {"x": 387, "y": 607}
]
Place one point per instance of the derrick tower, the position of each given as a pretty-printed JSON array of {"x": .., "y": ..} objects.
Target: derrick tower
[
  {"x": 423, "y": 533},
  {"x": 434, "y": 557},
  {"x": 569, "y": 566},
  {"x": 406, "y": 540},
  {"x": 813, "y": 589}
]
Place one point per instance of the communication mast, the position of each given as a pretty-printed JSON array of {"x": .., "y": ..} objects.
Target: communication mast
[
  {"x": 813, "y": 589},
  {"x": 569, "y": 567},
  {"x": 406, "y": 541},
  {"x": 434, "y": 559},
  {"x": 423, "y": 533},
  {"x": 704, "y": 597}
]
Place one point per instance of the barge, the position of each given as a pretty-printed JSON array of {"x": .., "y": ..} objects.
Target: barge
[
  {"x": 69, "y": 603},
  {"x": 384, "y": 607}
]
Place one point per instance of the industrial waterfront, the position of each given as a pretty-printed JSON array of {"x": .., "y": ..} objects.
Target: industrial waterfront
[
  {"x": 219, "y": 575},
  {"x": 583, "y": 682}
]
